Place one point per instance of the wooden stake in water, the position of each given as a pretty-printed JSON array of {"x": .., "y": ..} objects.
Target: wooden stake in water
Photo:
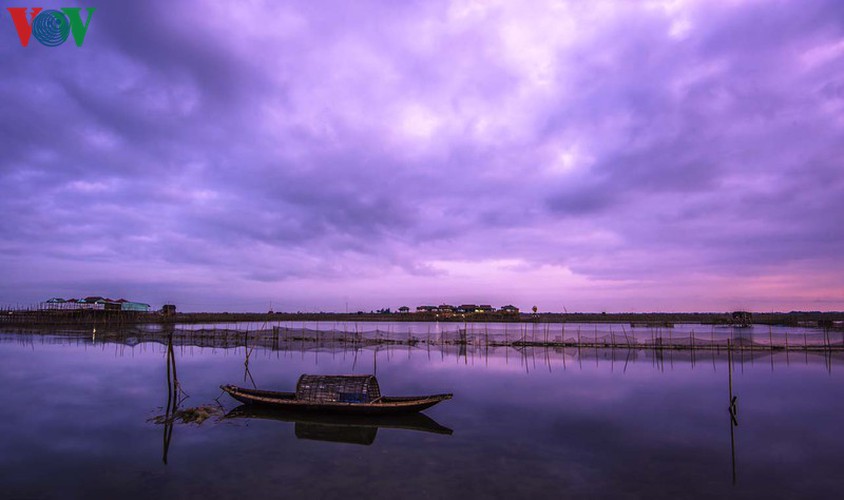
[
  {"x": 770, "y": 338},
  {"x": 732, "y": 410}
]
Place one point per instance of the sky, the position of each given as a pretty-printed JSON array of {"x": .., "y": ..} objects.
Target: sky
[{"x": 332, "y": 155}]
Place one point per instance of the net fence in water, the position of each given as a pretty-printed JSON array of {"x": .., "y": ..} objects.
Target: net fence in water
[
  {"x": 296, "y": 337},
  {"x": 516, "y": 335}
]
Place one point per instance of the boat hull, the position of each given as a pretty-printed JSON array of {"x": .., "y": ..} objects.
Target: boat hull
[{"x": 287, "y": 401}]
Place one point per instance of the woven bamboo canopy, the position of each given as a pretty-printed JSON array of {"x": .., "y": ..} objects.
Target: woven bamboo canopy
[{"x": 338, "y": 388}]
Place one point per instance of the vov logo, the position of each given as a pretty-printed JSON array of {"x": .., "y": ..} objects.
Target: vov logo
[{"x": 51, "y": 27}]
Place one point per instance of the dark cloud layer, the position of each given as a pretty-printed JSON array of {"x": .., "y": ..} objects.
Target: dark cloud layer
[{"x": 645, "y": 156}]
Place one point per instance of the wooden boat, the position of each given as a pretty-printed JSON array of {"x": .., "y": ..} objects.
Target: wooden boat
[{"x": 346, "y": 394}]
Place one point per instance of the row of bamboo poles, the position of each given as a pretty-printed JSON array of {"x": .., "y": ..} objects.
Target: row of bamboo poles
[
  {"x": 547, "y": 335},
  {"x": 517, "y": 336}
]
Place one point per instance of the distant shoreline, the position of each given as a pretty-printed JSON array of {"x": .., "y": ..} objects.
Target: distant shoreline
[{"x": 57, "y": 318}]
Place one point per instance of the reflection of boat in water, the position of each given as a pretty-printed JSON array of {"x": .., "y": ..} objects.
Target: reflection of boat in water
[
  {"x": 354, "y": 429},
  {"x": 346, "y": 394}
]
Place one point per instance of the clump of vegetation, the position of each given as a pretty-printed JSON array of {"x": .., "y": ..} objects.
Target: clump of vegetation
[{"x": 195, "y": 415}]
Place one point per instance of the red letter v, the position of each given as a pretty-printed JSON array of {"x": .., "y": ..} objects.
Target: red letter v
[{"x": 23, "y": 26}]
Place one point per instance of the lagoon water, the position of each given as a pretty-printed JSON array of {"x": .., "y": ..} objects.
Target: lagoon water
[{"x": 77, "y": 422}]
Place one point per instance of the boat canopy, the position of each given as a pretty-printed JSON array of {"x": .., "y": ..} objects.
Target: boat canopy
[{"x": 338, "y": 388}]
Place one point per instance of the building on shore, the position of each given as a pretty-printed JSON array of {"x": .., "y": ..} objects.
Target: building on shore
[
  {"x": 93, "y": 303},
  {"x": 126, "y": 305},
  {"x": 741, "y": 319},
  {"x": 448, "y": 309}
]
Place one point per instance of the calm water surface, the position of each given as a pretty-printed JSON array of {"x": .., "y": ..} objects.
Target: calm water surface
[{"x": 76, "y": 423}]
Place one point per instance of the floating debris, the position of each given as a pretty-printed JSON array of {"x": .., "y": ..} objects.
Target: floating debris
[{"x": 195, "y": 415}]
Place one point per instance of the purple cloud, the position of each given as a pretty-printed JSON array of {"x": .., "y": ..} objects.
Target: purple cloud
[{"x": 649, "y": 156}]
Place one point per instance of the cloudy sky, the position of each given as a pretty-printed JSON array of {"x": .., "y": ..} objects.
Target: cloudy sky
[{"x": 593, "y": 156}]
